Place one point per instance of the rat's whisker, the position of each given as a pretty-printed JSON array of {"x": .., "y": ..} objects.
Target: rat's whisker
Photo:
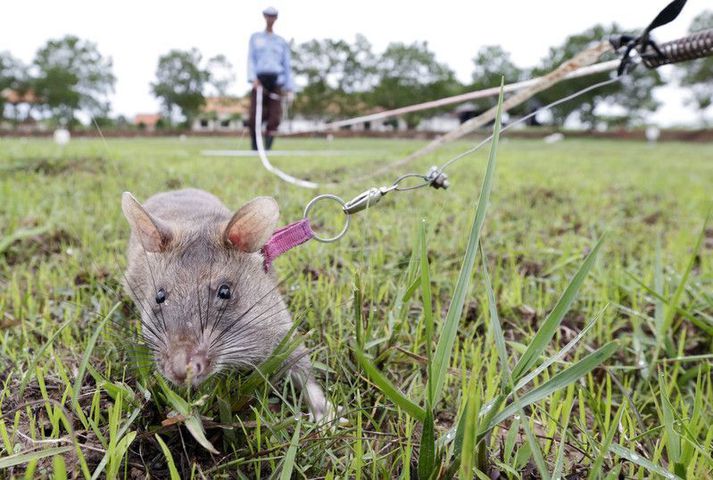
[
  {"x": 271, "y": 290},
  {"x": 242, "y": 325},
  {"x": 231, "y": 325},
  {"x": 153, "y": 282},
  {"x": 210, "y": 279},
  {"x": 149, "y": 312}
]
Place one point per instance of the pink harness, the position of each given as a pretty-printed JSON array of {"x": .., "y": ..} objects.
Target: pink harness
[{"x": 285, "y": 239}]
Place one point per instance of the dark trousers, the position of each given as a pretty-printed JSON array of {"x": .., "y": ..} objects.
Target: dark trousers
[{"x": 271, "y": 108}]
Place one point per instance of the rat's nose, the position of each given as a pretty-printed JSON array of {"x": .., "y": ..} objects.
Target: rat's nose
[{"x": 184, "y": 364}]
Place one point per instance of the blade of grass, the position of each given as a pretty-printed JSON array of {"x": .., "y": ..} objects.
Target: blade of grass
[
  {"x": 535, "y": 448},
  {"x": 427, "y": 308},
  {"x": 495, "y": 325},
  {"x": 358, "y": 315},
  {"x": 596, "y": 470},
  {"x": 466, "y": 435},
  {"x": 559, "y": 462},
  {"x": 388, "y": 388},
  {"x": 24, "y": 457},
  {"x": 427, "y": 452},
  {"x": 637, "y": 459},
  {"x": 173, "y": 471},
  {"x": 195, "y": 425},
  {"x": 455, "y": 309},
  {"x": 192, "y": 420},
  {"x": 38, "y": 355},
  {"x": 552, "y": 322},
  {"x": 59, "y": 468},
  {"x": 561, "y": 380},
  {"x": 673, "y": 445},
  {"x": 559, "y": 355},
  {"x": 289, "y": 463},
  {"x": 87, "y": 354},
  {"x": 676, "y": 298}
]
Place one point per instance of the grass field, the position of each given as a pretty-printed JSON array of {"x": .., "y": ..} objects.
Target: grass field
[{"x": 76, "y": 403}]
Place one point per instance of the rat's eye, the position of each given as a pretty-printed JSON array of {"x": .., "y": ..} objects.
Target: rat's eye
[
  {"x": 161, "y": 296},
  {"x": 224, "y": 292}
]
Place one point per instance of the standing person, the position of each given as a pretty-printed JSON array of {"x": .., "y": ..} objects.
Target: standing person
[{"x": 268, "y": 66}]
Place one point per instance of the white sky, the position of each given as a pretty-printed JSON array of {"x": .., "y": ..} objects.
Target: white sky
[{"x": 135, "y": 33}]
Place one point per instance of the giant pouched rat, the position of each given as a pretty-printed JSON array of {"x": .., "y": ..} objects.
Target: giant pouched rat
[{"x": 196, "y": 273}]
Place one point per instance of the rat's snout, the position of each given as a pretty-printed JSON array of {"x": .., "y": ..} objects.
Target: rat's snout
[{"x": 186, "y": 364}]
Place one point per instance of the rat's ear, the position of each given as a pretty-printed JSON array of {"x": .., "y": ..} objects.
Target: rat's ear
[
  {"x": 252, "y": 225},
  {"x": 152, "y": 233}
]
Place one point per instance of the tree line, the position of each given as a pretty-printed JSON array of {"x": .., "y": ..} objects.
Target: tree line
[{"x": 340, "y": 79}]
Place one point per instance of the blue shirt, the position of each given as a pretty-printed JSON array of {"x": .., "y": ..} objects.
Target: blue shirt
[{"x": 270, "y": 53}]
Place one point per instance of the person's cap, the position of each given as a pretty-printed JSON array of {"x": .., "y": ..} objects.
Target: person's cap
[{"x": 270, "y": 12}]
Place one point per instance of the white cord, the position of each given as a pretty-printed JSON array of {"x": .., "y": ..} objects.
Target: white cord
[{"x": 263, "y": 154}]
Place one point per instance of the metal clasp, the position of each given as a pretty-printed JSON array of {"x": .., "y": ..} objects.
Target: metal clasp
[
  {"x": 437, "y": 179},
  {"x": 366, "y": 199}
]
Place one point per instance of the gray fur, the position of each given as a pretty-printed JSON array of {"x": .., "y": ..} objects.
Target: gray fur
[{"x": 178, "y": 243}]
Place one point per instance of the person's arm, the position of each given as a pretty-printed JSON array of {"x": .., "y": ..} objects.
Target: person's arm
[
  {"x": 252, "y": 76},
  {"x": 287, "y": 68}
]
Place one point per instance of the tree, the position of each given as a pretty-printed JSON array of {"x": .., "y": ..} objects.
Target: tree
[
  {"x": 180, "y": 82},
  {"x": 697, "y": 74},
  {"x": 335, "y": 74},
  {"x": 492, "y": 63},
  {"x": 72, "y": 74},
  {"x": 409, "y": 74},
  {"x": 221, "y": 75},
  {"x": 635, "y": 92}
]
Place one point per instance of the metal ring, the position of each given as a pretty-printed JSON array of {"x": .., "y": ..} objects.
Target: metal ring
[{"x": 329, "y": 196}]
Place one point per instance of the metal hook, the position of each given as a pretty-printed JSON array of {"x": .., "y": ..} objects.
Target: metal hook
[{"x": 366, "y": 199}]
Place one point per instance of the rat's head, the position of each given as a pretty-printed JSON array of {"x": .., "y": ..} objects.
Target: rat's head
[{"x": 200, "y": 286}]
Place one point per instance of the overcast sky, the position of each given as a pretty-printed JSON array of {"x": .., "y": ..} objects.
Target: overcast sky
[{"x": 135, "y": 33}]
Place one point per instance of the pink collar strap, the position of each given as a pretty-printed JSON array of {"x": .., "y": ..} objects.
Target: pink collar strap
[{"x": 285, "y": 239}]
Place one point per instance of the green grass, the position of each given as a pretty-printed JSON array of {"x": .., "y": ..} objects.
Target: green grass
[{"x": 69, "y": 387}]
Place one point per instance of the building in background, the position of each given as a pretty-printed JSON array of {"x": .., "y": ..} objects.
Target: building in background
[
  {"x": 222, "y": 114},
  {"x": 147, "y": 121},
  {"x": 19, "y": 106}
]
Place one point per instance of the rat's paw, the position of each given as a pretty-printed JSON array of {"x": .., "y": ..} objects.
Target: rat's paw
[{"x": 328, "y": 416}]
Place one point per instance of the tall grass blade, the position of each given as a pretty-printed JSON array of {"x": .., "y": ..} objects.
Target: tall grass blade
[
  {"x": 427, "y": 308},
  {"x": 466, "y": 434},
  {"x": 561, "y": 380},
  {"x": 596, "y": 470},
  {"x": 427, "y": 452},
  {"x": 673, "y": 445},
  {"x": 195, "y": 426},
  {"x": 191, "y": 420},
  {"x": 450, "y": 325},
  {"x": 676, "y": 298},
  {"x": 559, "y": 462},
  {"x": 289, "y": 463},
  {"x": 552, "y": 322},
  {"x": 388, "y": 388},
  {"x": 559, "y": 355},
  {"x": 59, "y": 468},
  {"x": 24, "y": 457},
  {"x": 637, "y": 459},
  {"x": 535, "y": 448},
  {"x": 495, "y": 325},
  {"x": 173, "y": 471},
  {"x": 38, "y": 355},
  {"x": 87, "y": 354}
]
